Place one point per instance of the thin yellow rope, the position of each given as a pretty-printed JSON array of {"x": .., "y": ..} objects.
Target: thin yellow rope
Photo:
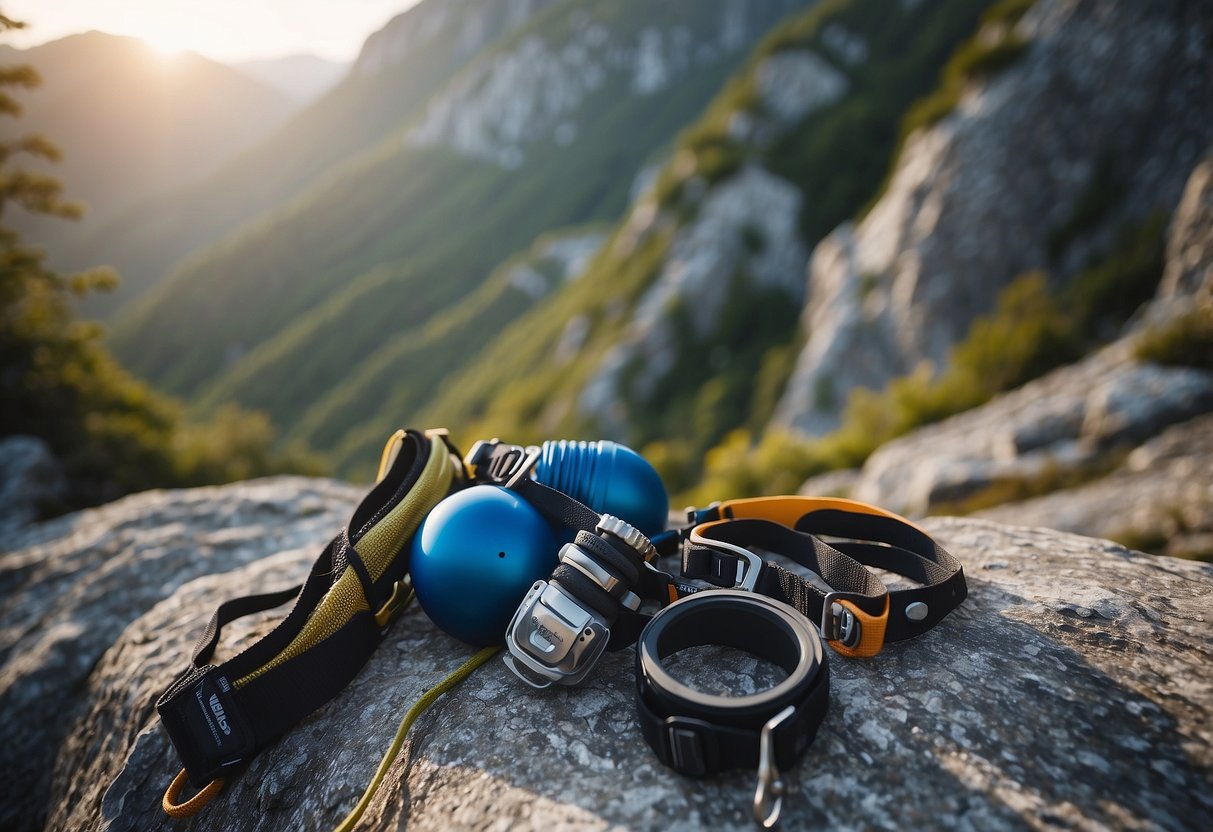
[{"x": 419, "y": 707}]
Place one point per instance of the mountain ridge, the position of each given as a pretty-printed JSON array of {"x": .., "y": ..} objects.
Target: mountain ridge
[
  {"x": 132, "y": 122},
  {"x": 496, "y": 210}
]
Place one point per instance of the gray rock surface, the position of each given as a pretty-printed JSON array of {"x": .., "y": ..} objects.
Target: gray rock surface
[
  {"x": 1072, "y": 417},
  {"x": 533, "y": 91},
  {"x": 30, "y": 478},
  {"x": 1188, "y": 277},
  {"x": 1063, "y": 420},
  {"x": 1074, "y": 688},
  {"x": 1162, "y": 496},
  {"x": 974, "y": 200},
  {"x": 71, "y": 586},
  {"x": 703, "y": 257},
  {"x": 468, "y": 24}
]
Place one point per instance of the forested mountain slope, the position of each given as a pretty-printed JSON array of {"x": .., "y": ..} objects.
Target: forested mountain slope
[
  {"x": 399, "y": 68},
  {"x": 544, "y": 130},
  {"x": 132, "y": 122},
  {"x": 684, "y": 326}
]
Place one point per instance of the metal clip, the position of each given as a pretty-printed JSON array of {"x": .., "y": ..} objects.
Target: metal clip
[
  {"x": 552, "y": 639},
  {"x": 402, "y": 595},
  {"x": 496, "y": 462},
  {"x": 748, "y": 563},
  {"x": 768, "y": 797},
  {"x": 839, "y": 623}
]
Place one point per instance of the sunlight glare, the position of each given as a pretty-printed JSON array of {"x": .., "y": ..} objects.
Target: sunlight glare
[{"x": 167, "y": 41}]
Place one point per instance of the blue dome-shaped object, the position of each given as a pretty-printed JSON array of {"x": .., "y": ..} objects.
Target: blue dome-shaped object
[
  {"x": 609, "y": 478},
  {"x": 474, "y": 558}
]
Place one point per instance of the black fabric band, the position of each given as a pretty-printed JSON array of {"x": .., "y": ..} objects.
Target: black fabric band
[
  {"x": 217, "y": 727},
  {"x": 840, "y": 572},
  {"x": 700, "y": 735},
  {"x": 611, "y": 557},
  {"x": 870, "y": 540},
  {"x": 586, "y": 591},
  {"x": 557, "y": 506}
]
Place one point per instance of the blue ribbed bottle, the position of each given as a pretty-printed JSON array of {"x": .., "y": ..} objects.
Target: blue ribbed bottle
[{"x": 609, "y": 478}]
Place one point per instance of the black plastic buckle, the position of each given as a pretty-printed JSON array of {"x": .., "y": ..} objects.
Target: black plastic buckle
[{"x": 692, "y": 747}]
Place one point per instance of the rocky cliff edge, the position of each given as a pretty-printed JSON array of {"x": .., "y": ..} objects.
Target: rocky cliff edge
[{"x": 1073, "y": 688}]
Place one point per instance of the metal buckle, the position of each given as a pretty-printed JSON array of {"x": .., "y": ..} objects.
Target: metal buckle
[
  {"x": 748, "y": 563},
  {"x": 849, "y": 628},
  {"x": 768, "y": 797},
  {"x": 494, "y": 461},
  {"x": 552, "y": 639},
  {"x": 838, "y": 623},
  {"x": 402, "y": 594}
]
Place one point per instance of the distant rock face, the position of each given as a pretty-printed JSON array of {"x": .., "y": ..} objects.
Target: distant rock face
[
  {"x": 470, "y": 24},
  {"x": 1072, "y": 689},
  {"x": 1189, "y": 273},
  {"x": 704, "y": 256},
  {"x": 532, "y": 91},
  {"x": 1063, "y": 420},
  {"x": 1073, "y": 417},
  {"x": 796, "y": 82},
  {"x": 554, "y": 259},
  {"x": 30, "y": 477},
  {"x": 1161, "y": 496},
  {"x": 974, "y": 200}
]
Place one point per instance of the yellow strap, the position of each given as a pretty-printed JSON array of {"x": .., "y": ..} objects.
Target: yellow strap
[
  {"x": 419, "y": 707},
  {"x": 191, "y": 807}
]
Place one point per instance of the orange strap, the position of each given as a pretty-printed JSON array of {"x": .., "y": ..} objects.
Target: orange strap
[
  {"x": 871, "y": 632},
  {"x": 191, "y": 807},
  {"x": 788, "y": 509}
]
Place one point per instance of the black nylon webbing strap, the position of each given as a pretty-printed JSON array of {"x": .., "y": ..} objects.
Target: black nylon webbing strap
[
  {"x": 557, "y": 506},
  {"x": 218, "y": 717},
  {"x": 699, "y": 734},
  {"x": 871, "y": 538},
  {"x": 840, "y": 572}
]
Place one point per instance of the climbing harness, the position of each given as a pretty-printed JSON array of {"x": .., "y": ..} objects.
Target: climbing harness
[
  {"x": 219, "y": 716},
  {"x": 857, "y": 616},
  {"x": 855, "y": 611},
  {"x": 699, "y": 734},
  {"x": 433, "y": 516}
]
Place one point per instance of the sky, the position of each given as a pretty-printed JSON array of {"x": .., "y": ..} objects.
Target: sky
[{"x": 225, "y": 30}]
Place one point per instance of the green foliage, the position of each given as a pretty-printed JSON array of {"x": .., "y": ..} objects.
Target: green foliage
[
  {"x": 1104, "y": 190},
  {"x": 112, "y": 433},
  {"x": 838, "y": 155},
  {"x": 1107, "y": 292},
  {"x": 375, "y": 262},
  {"x": 1031, "y": 332},
  {"x": 732, "y": 376},
  {"x": 1186, "y": 341}
]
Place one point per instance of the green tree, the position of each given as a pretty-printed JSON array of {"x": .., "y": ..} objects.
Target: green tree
[{"x": 58, "y": 381}]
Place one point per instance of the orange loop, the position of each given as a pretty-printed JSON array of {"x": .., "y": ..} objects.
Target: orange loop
[
  {"x": 871, "y": 632},
  {"x": 192, "y": 806}
]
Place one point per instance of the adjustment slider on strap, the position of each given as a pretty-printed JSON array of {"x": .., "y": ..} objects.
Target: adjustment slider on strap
[
  {"x": 748, "y": 564},
  {"x": 402, "y": 594},
  {"x": 849, "y": 629}
]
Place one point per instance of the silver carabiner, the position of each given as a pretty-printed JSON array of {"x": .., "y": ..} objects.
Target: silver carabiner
[
  {"x": 748, "y": 563},
  {"x": 768, "y": 797}
]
